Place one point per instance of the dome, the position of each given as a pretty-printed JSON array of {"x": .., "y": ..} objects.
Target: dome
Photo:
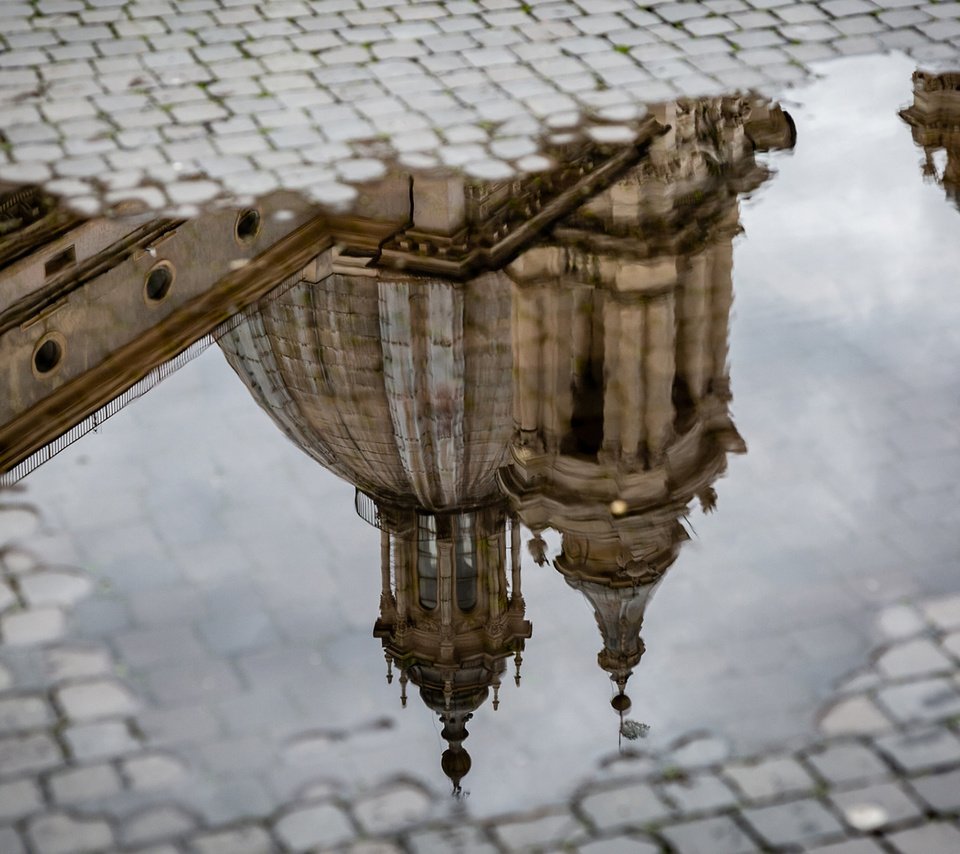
[{"x": 400, "y": 385}]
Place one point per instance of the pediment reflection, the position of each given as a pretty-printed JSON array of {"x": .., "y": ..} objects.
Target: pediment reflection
[{"x": 571, "y": 376}]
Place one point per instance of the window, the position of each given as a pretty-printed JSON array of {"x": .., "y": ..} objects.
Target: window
[
  {"x": 427, "y": 561},
  {"x": 465, "y": 564}
]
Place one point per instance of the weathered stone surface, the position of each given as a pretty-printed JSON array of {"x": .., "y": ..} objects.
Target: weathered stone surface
[
  {"x": 944, "y": 613},
  {"x": 396, "y": 807},
  {"x": 802, "y": 822},
  {"x": 59, "y": 833},
  {"x": 926, "y": 700},
  {"x": 152, "y": 771},
  {"x": 699, "y": 751},
  {"x": 900, "y": 621},
  {"x": 156, "y": 824},
  {"x": 699, "y": 793},
  {"x": 628, "y": 805},
  {"x": 540, "y": 831},
  {"x": 874, "y": 807},
  {"x": 19, "y": 798},
  {"x": 718, "y": 835},
  {"x": 312, "y": 826},
  {"x": 100, "y": 740},
  {"x": 933, "y": 838},
  {"x": 849, "y": 846},
  {"x": 856, "y": 715},
  {"x": 23, "y": 753},
  {"x": 33, "y": 626},
  {"x": 239, "y": 840},
  {"x": 921, "y": 750},
  {"x": 940, "y": 791},
  {"x": 66, "y": 663},
  {"x": 626, "y": 844},
  {"x": 53, "y": 587},
  {"x": 18, "y": 714},
  {"x": 90, "y": 782},
  {"x": 847, "y": 763},
  {"x": 461, "y": 837},
  {"x": 770, "y": 778},
  {"x": 913, "y": 658},
  {"x": 101, "y": 698}
]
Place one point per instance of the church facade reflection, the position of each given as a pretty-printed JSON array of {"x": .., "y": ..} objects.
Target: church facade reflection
[
  {"x": 580, "y": 383},
  {"x": 934, "y": 119}
]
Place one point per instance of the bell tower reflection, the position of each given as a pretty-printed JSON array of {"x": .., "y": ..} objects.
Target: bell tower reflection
[
  {"x": 622, "y": 388},
  {"x": 934, "y": 118}
]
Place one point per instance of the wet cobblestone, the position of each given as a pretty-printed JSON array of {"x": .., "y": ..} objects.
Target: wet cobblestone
[{"x": 214, "y": 100}]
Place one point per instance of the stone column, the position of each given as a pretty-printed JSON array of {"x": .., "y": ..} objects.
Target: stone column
[{"x": 660, "y": 368}]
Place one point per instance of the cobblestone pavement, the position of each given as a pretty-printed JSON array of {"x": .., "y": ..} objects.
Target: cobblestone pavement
[
  {"x": 174, "y": 104},
  {"x": 78, "y": 771}
]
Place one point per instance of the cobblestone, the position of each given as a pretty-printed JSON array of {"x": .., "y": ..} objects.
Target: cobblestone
[
  {"x": 59, "y": 833},
  {"x": 90, "y": 782},
  {"x": 89, "y": 81},
  {"x": 770, "y": 778}
]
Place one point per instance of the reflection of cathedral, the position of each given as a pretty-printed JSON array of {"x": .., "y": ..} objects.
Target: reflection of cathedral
[
  {"x": 583, "y": 386},
  {"x": 620, "y": 362},
  {"x": 934, "y": 118}
]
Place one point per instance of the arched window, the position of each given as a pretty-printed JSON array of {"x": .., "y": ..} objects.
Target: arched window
[
  {"x": 427, "y": 561},
  {"x": 465, "y": 564}
]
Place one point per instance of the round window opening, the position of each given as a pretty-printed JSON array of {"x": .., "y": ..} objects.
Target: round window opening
[
  {"x": 158, "y": 283},
  {"x": 248, "y": 225},
  {"x": 47, "y": 356}
]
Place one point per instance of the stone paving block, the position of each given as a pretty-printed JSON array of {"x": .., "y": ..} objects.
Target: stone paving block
[
  {"x": 32, "y": 626},
  {"x": 155, "y": 824},
  {"x": 874, "y": 807},
  {"x": 90, "y": 782},
  {"x": 933, "y": 838},
  {"x": 635, "y": 804},
  {"x": 940, "y": 791},
  {"x": 951, "y": 643},
  {"x": 943, "y": 613},
  {"x": 699, "y": 793},
  {"x": 925, "y": 700},
  {"x": 100, "y": 740},
  {"x": 51, "y": 587},
  {"x": 921, "y": 750},
  {"x": 312, "y": 826},
  {"x": 152, "y": 771},
  {"x": 849, "y": 846},
  {"x": 857, "y": 715},
  {"x": 65, "y": 663},
  {"x": 18, "y": 714},
  {"x": 841, "y": 763},
  {"x": 392, "y": 809},
  {"x": 539, "y": 831},
  {"x": 913, "y": 658},
  {"x": 238, "y": 840},
  {"x": 59, "y": 833},
  {"x": 802, "y": 822},
  {"x": 10, "y": 841},
  {"x": 24, "y": 753},
  {"x": 699, "y": 751},
  {"x": 770, "y": 778},
  {"x": 19, "y": 798},
  {"x": 900, "y": 621},
  {"x": 626, "y": 844},
  {"x": 717, "y": 835},
  {"x": 459, "y": 838},
  {"x": 101, "y": 698}
]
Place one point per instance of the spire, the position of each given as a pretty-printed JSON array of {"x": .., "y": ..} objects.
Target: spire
[{"x": 455, "y": 761}]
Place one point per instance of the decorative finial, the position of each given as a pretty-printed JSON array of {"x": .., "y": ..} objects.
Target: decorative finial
[
  {"x": 403, "y": 689},
  {"x": 496, "y": 694},
  {"x": 517, "y": 661},
  {"x": 386, "y": 655}
]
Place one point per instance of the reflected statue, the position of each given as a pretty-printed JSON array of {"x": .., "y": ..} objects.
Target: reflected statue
[
  {"x": 934, "y": 119},
  {"x": 622, "y": 389}
]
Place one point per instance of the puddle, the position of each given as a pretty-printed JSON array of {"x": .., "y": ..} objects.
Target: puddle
[{"x": 449, "y": 445}]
